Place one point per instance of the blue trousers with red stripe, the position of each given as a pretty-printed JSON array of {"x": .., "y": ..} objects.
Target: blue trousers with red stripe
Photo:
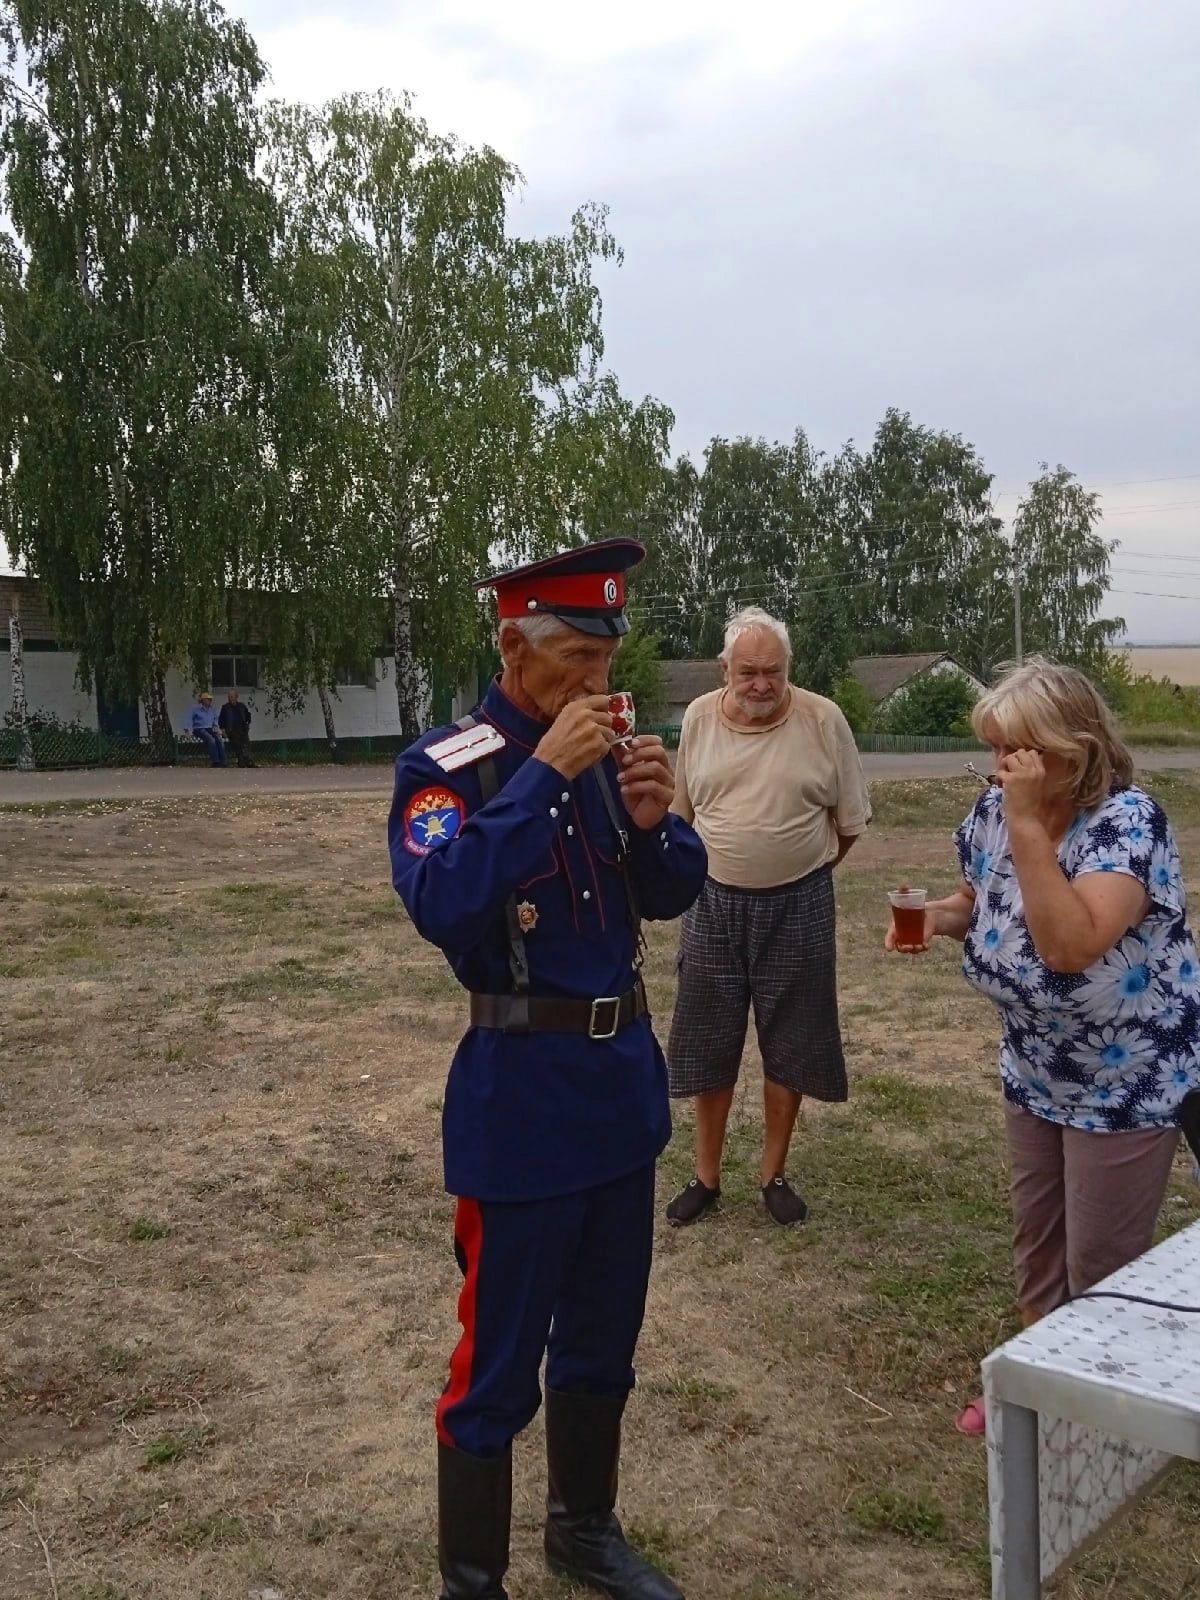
[{"x": 563, "y": 1278}]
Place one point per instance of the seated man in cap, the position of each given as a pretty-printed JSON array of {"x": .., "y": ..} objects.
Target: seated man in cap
[
  {"x": 528, "y": 849},
  {"x": 202, "y": 725}
]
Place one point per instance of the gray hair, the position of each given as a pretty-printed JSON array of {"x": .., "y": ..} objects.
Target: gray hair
[
  {"x": 749, "y": 618},
  {"x": 538, "y": 626}
]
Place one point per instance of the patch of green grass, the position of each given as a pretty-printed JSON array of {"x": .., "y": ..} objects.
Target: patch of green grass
[
  {"x": 927, "y": 804},
  {"x": 290, "y": 976},
  {"x": 145, "y": 1228},
  {"x": 217, "y": 1528},
  {"x": 139, "y": 1406},
  {"x": 654, "y": 1541},
  {"x": 93, "y": 1589},
  {"x": 325, "y": 1525},
  {"x": 910, "y": 1516},
  {"x": 75, "y": 950},
  {"x": 1178, "y": 793},
  {"x": 777, "y": 1589},
  {"x": 115, "y": 1358},
  {"x": 689, "y": 1391},
  {"x": 166, "y": 1449},
  {"x": 277, "y": 896},
  {"x": 900, "y": 1101}
]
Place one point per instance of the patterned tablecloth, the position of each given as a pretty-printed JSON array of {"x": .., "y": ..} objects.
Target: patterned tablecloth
[{"x": 1116, "y": 1386}]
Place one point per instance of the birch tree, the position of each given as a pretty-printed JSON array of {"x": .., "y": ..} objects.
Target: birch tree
[
  {"x": 468, "y": 358},
  {"x": 128, "y": 139},
  {"x": 1065, "y": 570}
]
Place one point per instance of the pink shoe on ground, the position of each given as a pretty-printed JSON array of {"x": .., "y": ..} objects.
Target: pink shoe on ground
[{"x": 972, "y": 1419}]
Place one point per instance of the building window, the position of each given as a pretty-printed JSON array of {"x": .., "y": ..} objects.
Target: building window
[
  {"x": 355, "y": 677},
  {"x": 234, "y": 672}
]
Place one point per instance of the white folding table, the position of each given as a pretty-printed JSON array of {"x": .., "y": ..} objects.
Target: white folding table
[{"x": 1086, "y": 1410}]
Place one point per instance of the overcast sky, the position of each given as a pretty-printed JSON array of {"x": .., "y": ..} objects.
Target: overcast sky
[{"x": 986, "y": 214}]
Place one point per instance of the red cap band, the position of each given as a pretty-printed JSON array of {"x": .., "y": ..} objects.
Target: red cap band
[{"x": 589, "y": 591}]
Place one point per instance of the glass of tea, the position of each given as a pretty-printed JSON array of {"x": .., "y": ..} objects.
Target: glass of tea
[
  {"x": 624, "y": 715},
  {"x": 908, "y": 917}
]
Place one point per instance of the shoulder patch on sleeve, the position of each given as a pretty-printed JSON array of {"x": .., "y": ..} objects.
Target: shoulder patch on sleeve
[
  {"x": 464, "y": 749},
  {"x": 431, "y": 819}
]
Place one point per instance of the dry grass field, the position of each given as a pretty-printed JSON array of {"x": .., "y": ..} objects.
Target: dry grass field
[{"x": 226, "y": 1289}]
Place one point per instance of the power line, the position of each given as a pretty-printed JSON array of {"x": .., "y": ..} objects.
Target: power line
[
  {"x": 1150, "y": 555},
  {"x": 1156, "y": 594},
  {"x": 1119, "y": 483},
  {"x": 1162, "y": 505}
]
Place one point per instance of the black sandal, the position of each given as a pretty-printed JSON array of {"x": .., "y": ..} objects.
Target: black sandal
[
  {"x": 690, "y": 1204},
  {"x": 784, "y": 1204}
]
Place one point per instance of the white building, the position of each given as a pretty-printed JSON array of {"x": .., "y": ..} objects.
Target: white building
[{"x": 363, "y": 707}]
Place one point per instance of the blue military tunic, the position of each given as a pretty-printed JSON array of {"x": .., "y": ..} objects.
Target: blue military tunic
[{"x": 531, "y": 1116}]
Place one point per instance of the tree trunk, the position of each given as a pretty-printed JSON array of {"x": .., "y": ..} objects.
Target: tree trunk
[
  {"x": 408, "y": 686},
  {"x": 158, "y": 719},
  {"x": 327, "y": 713},
  {"x": 20, "y": 710}
]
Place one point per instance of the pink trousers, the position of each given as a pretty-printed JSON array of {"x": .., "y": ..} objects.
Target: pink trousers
[{"x": 1083, "y": 1204}]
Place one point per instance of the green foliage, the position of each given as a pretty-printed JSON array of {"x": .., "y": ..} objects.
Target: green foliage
[
  {"x": 820, "y": 627},
  {"x": 638, "y": 670},
  {"x": 887, "y": 550},
  {"x": 468, "y": 404},
  {"x": 288, "y": 374},
  {"x": 1064, "y": 572},
  {"x": 1151, "y": 706},
  {"x": 933, "y": 706},
  {"x": 1113, "y": 676},
  {"x": 854, "y": 701},
  {"x": 130, "y": 455}
]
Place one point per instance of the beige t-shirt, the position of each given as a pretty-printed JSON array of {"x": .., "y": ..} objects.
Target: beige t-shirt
[{"x": 770, "y": 802}]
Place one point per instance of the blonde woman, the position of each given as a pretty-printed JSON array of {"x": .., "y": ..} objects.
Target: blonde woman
[{"x": 1072, "y": 916}]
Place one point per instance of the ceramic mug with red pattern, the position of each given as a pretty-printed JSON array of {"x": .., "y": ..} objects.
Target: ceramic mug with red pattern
[{"x": 624, "y": 717}]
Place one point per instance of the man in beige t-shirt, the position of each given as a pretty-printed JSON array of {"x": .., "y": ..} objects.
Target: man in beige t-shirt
[{"x": 770, "y": 778}]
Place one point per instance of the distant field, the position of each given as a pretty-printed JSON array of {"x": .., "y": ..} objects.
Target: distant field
[{"x": 1180, "y": 663}]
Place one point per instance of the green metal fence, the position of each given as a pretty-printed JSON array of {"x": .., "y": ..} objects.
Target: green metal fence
[
  {"x": 55, "y": 749},
  {"x": 902, "y": 744},
  {"x": 52, "y": 748}
]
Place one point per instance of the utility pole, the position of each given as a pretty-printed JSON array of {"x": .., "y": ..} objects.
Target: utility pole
[{"x": 1018, "y": 642}]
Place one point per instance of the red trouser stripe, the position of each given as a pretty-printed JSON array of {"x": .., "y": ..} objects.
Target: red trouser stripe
[{"x": 468, "y": 1235}]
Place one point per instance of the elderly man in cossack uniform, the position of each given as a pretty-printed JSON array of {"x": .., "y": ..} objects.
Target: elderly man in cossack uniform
[{"x": 528, "y": 844}]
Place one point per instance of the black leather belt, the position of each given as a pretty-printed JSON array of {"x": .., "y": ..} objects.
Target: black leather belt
[{"x": 598, "y": 1019}]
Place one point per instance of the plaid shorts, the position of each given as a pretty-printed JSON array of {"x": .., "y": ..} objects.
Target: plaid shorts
[{"x": 774, "y": 948}]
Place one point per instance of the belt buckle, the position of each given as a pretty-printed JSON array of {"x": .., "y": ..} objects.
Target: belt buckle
[{"x": 613, "y": 1000}]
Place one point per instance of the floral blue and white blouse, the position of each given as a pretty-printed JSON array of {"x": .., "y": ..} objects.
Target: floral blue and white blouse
[{"x": 1114, "y": 1048}]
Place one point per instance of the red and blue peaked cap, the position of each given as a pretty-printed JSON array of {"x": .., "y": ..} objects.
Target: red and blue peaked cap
[{"x": 584, "y": 587}]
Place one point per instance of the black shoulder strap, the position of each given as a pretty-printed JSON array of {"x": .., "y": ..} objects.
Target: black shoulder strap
[
  {"x": 518, "y": 960},
  {"x": 623, "y": 860}
]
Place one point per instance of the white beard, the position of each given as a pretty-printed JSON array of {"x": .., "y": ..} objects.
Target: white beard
[{"x": 756, "y": 710}]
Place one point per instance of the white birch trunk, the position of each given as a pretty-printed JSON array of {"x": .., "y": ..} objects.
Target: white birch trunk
[
  {"x": 20, "y": 706},
  {"x": 327, "y": 713}
]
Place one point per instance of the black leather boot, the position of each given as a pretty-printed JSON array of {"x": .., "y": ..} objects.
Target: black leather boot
[
  {"x": 474, "y": 1512},
  {"x": 584, "y": 1540}
]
